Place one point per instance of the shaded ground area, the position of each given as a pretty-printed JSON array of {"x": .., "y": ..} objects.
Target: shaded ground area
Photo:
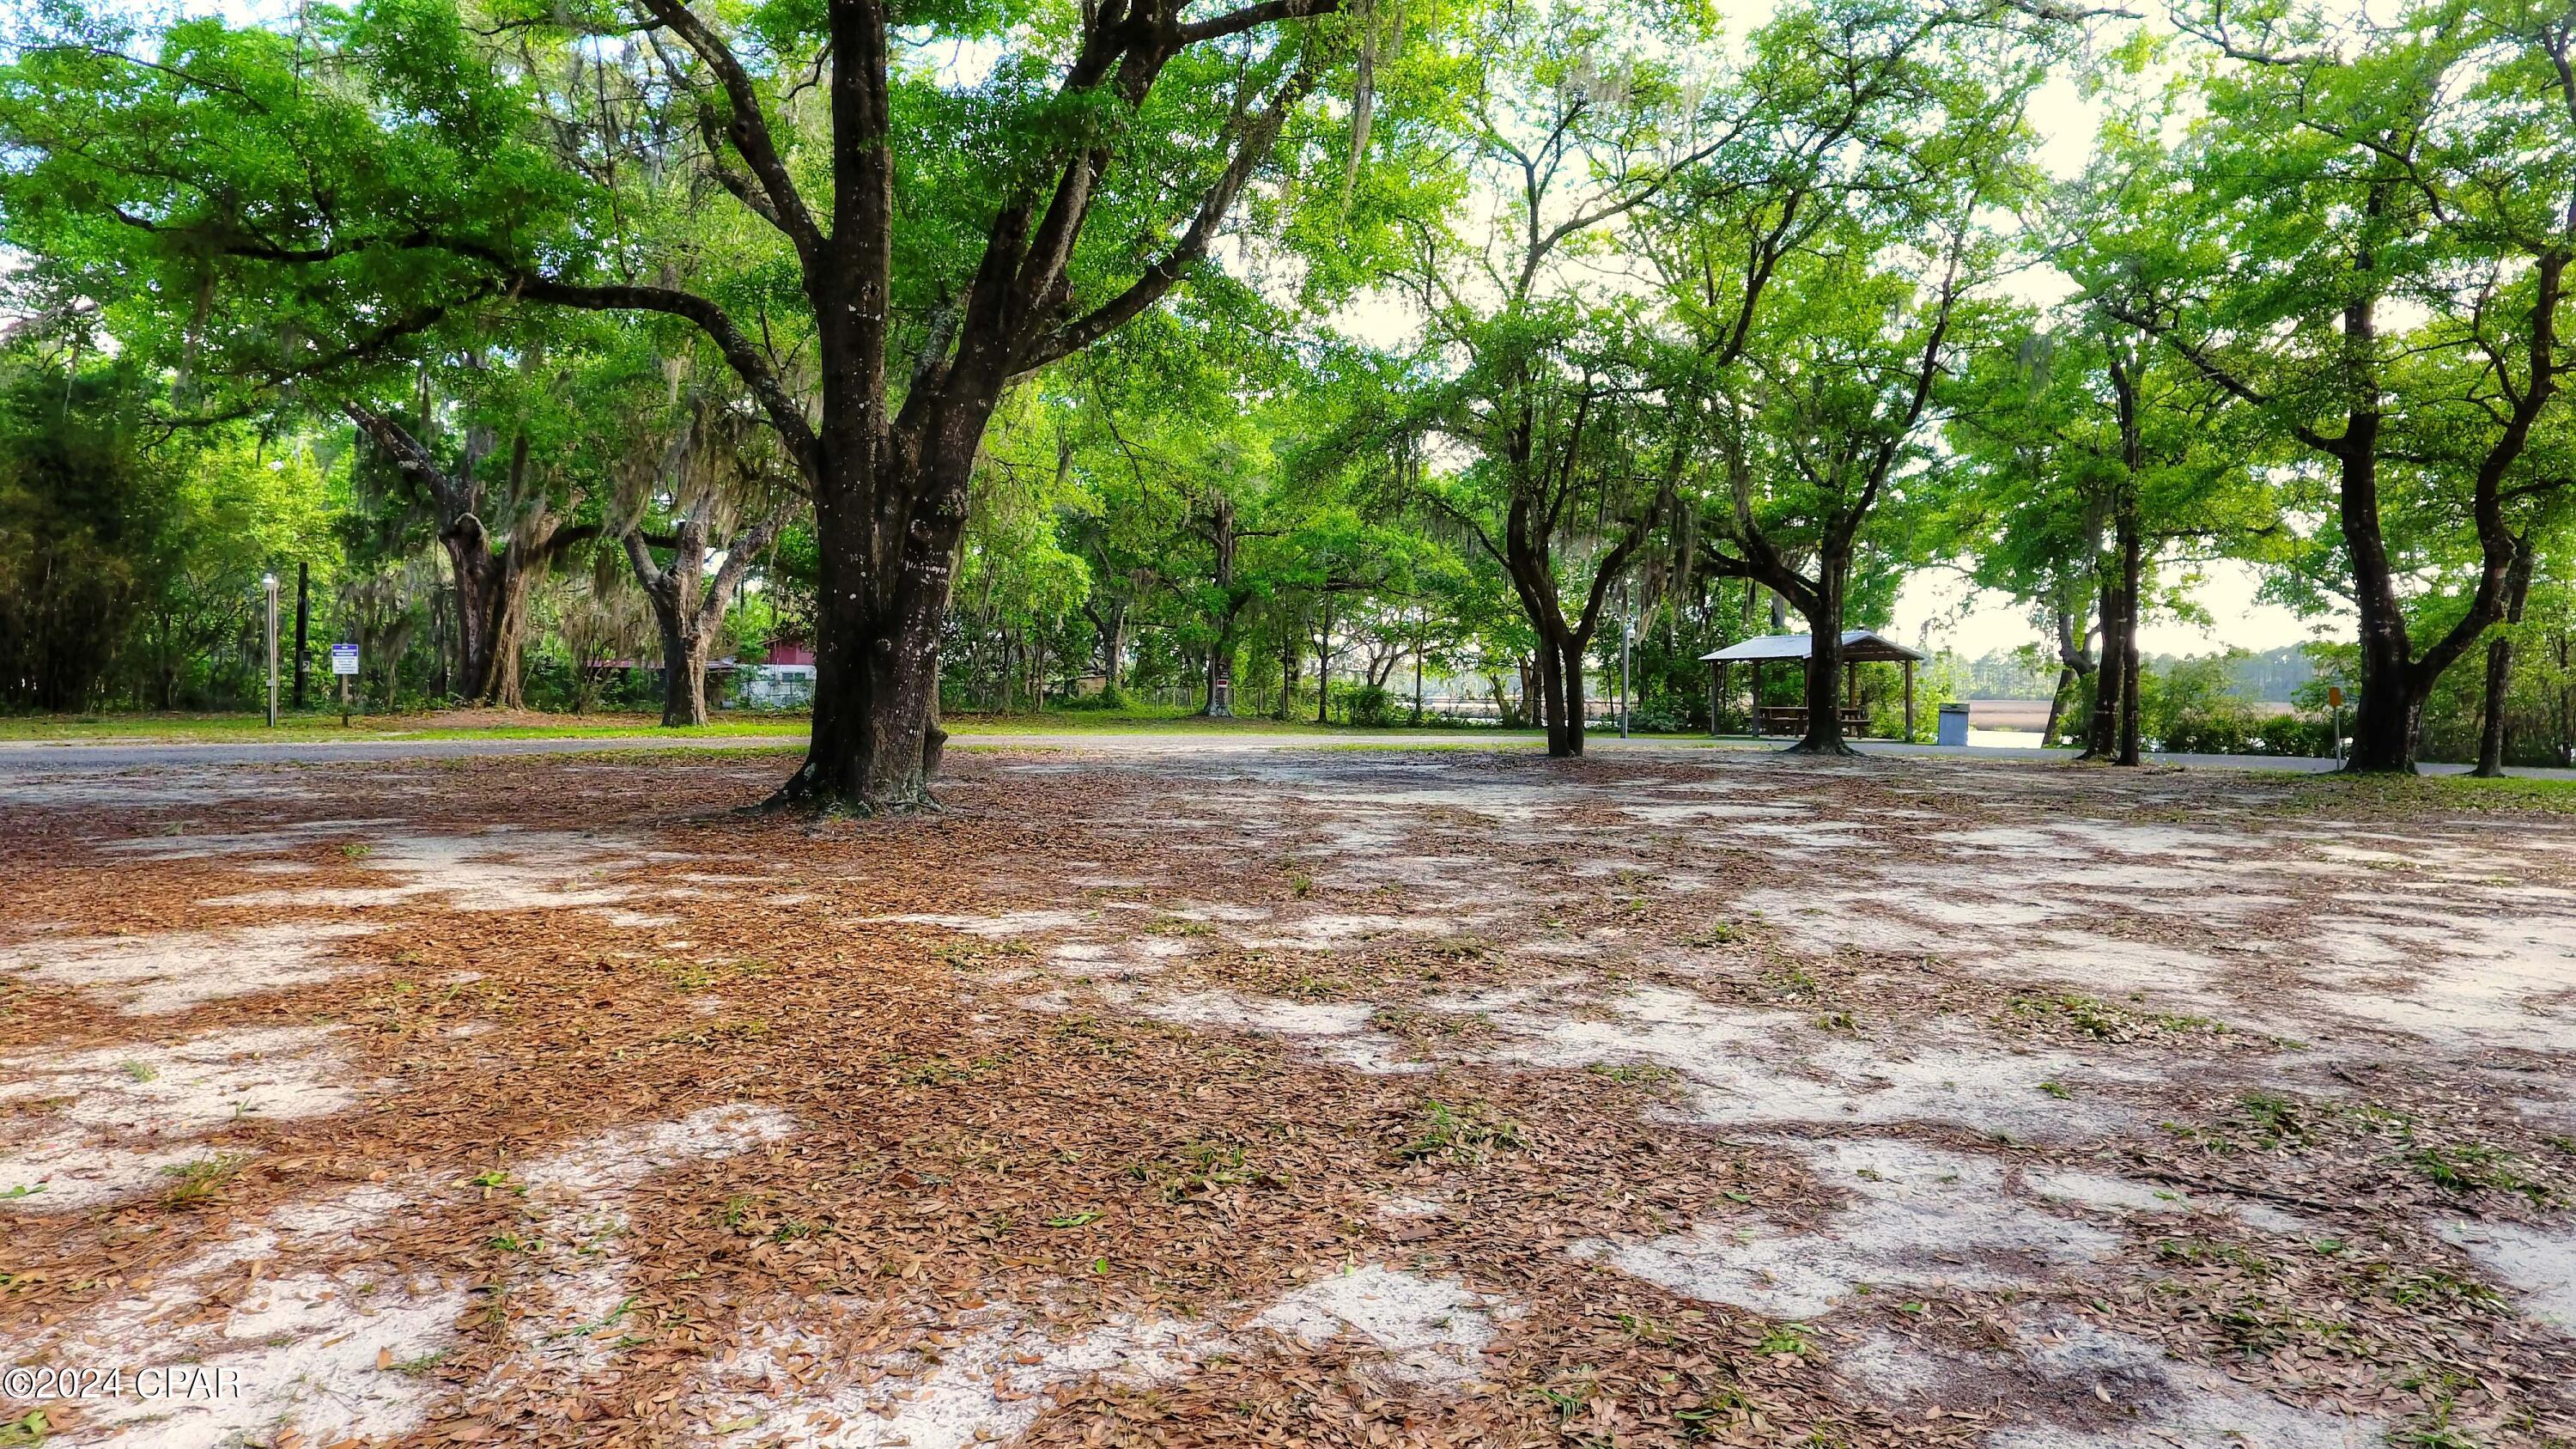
[
  {"x": 1334, "y": 1097},
  {"x": 43, "y": 770}
]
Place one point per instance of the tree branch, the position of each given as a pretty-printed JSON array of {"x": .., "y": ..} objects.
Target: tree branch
[
  {"x": 738, "y": 556},
  {"x": 1253, "y": 17},
  {"x": 409, "y": 455},
  {"x": 784, "y": 412},
  {"x": 748, "y": 129},
  {"x": 1260, "y": 132},
  {"x": 2210, "y": 368}
]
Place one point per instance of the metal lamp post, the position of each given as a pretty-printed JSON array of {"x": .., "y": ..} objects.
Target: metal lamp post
[
  {"x": 268, "y": 583},
  {"x": 1627, "y": 641},
  {"x": 1627, "y": 637}
]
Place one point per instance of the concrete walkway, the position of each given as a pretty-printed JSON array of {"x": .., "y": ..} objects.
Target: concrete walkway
[
  {"x": 2298, "y": 764},
  {"x": 32, "y": 758}
]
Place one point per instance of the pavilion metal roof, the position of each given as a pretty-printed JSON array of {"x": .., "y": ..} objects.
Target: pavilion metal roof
[{"x": 1859, "y": 645}]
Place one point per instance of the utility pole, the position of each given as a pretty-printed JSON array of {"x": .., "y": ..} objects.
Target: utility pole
[
  {"x": 1421, "y": 626},
  {"x": 268, "y": 586},
  {"x": 303, "y": 617},
  {"x": 1627, "y": 641}
]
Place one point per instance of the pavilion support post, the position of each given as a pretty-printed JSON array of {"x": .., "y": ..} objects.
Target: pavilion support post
[
  {"x": 1716, "y": 695},
  {"x": 1755, "y": 667},
  {"x": 1909, "y": 701}
]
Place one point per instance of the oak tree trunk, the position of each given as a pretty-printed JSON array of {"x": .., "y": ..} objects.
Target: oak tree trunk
[
  {"x": 1222, "y": 542},
  {"x": 491, "y": 588},
  {"x": 1570, "y": 684},
  {"x": 876, "y": 664},
  {"x": 1824, "y": 734},
  {"x": 1546, "y": 700},
  {"x": 2499, "y": 683},
  {"x": 505, "y": 691},
  {"x": 1113, "y": 646},
  {"x": 2106, "y": 733},
  {"x": 1561, "y": 740},
  {"x": 484, "y": 617},
  {"x": 1220, "y": 673},
  {"x": 2566, "y": 649},
  {"x": 684, "y": 675},
  {"x": 2057, "y": 704},
  {"x": 1324, "y": 653},
  {"x": 2387, "y": 718},
  {"x": 1560, "y": 649},
  {"x": 2132, "y": 585}
]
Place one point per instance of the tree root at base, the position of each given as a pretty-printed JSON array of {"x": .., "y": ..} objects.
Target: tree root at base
[{"x": 1835, "y": 751}]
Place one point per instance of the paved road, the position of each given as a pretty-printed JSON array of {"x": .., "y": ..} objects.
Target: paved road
[
  {"x": 25, "y": 759},
  {"x": 20, "y": 757},
  {"x": 2293, "y": 764}
]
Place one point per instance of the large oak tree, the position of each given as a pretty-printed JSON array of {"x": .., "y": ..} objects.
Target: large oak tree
[
  {"x": 2367, "y": 241},
  {"x": 933, "y": 202}
]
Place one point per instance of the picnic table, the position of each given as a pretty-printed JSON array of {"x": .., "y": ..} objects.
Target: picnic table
[{"x": 1791, "y": 719}]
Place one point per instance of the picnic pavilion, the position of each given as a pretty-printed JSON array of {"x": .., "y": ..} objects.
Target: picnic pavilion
[{"x": 1860, "y": 647}]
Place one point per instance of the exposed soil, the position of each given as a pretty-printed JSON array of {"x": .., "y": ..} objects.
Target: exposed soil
[{"x": 1326, "y": 1097}]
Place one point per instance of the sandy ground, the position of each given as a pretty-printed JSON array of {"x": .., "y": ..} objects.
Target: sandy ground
[{"x": 1323, "y": 1097}]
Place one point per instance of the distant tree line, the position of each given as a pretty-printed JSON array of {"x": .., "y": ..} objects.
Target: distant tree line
[{"x": 538, "y": 342}]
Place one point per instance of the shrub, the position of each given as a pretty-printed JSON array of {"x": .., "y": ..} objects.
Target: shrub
[
  {"x": 2219, "y": 726},
  {"x": 1371, "y": 706},
  {"x": 2230, "y": 728},
  {"x": 1657, "y": 717},
  {"x": 2309, "y": 735},
  {"x": 2186, "y": 707}
]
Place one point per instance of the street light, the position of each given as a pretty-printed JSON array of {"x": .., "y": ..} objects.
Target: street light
[
  {"x": 268, "y": 583},
  {"x": 1627, "y": 642}
]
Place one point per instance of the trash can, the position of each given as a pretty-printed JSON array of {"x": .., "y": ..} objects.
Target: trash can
[{"x": 1954, "y": 725}]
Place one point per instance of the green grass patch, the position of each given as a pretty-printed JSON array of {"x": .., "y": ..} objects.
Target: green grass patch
[
  {"x": 1785, "y": 1338},
  {"x": 2409, "y": 794},
  {"x": 194, "y": 1182},
  {"x": 1468, "y": 1133},
  {"x": 941, "y": 1071},
  {"x": 2097, "y": 1018},
  {"x": 2472, "y": 1168}
]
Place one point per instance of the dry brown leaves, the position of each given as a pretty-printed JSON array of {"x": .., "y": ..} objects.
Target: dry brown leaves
[{"x": 957, "y": 1150}]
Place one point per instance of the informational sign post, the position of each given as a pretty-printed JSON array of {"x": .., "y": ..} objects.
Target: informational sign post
[{"x": 344, "y": 663}]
